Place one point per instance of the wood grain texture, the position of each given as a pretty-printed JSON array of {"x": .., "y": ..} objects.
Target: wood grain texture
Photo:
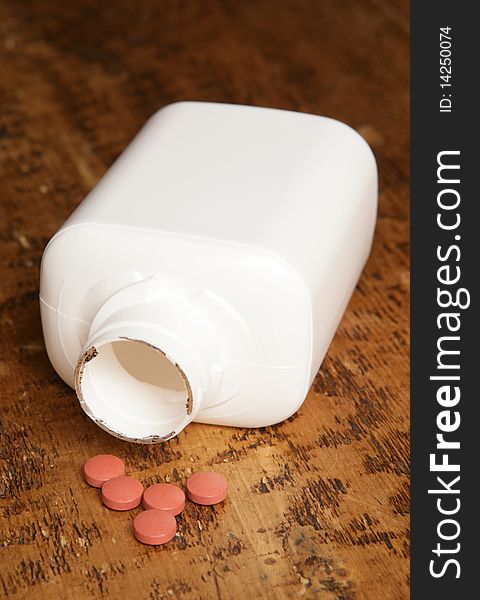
[{"x": 318, "y": 504}]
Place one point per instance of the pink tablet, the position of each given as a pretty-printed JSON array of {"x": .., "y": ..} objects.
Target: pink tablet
[
  {"x": 207, "y": 488},
  {"x": 122, "y": 493},
  {"x": 154, "y": 527},
  {"x": 99, "y": 469},
  {"x": 164, "y": 496}
]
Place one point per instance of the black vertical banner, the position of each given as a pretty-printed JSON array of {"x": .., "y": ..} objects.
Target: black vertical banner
[{"x": 445, "y": 352}]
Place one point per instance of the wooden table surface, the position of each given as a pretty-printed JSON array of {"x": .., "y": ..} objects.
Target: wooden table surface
[{"x": 318, "y": 505}]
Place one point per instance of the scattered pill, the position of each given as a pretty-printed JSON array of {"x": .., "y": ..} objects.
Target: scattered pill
[
  {"x": 99, "y": 469},
  {"x": 164, "y": 496},
  {"x": 154, "y": 527},
  {"x": 162, "y": 501},
  {"x": 207, "y": 488},
  {"x": 122, "y": 493}
]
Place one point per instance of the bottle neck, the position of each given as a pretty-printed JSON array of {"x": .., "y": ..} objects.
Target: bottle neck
[{"x": 145, "y": 369}]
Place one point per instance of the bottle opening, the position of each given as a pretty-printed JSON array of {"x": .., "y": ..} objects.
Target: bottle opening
[{"x": 132, "y": 389}]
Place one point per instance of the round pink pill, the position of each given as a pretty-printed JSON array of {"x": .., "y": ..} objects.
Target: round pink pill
[
  {"x": 207, "y": 488},
  {"x": 99, "y": 469},
  {"x": 164, "y": 496},
  {"x": 154, "y": 527},
  {"x": 122, "y": 493}
]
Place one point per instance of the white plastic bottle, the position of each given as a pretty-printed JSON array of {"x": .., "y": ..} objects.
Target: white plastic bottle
[{"x": 204, "y": 276}]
